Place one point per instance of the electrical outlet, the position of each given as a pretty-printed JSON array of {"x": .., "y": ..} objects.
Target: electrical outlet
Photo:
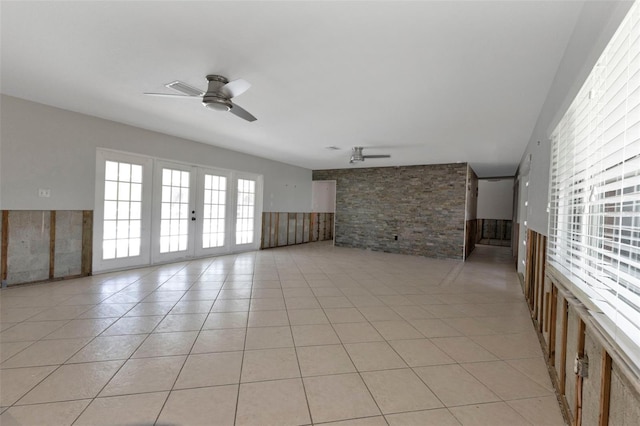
[
  {"x": 44, "y": 193},
  {"x": 581, "y": 366}
]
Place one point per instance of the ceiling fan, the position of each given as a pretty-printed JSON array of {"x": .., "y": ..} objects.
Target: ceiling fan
[
  {"x": 356, "y": 155},
  {"x": 217, "y": 97}
]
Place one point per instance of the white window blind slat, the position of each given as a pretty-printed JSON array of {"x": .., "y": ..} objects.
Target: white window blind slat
[{"x": 594, "y": 198}]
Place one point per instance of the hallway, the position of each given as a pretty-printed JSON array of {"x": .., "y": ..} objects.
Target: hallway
[{"x": 307, "y": 334}]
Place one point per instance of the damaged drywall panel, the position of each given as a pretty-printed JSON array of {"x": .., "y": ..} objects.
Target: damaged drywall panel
[
  {"x": 28, "y": 246},
  {"x": 68, "y": 243}
]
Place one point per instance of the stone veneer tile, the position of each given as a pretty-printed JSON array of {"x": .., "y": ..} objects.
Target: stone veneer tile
[{"x": 423, "y": 205}]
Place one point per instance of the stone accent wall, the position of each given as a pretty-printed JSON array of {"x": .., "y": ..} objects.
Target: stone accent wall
[{"x": 424, "y": 206}]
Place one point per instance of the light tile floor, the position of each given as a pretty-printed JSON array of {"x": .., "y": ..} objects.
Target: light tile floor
[{"x": 303, "y": 335}]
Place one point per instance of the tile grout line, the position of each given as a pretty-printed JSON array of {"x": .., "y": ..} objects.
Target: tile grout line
[
  {"x": 358, "y": 283},
  {"x": 356, "y": 368},
  {"x": 244, "y": 348},
  {"x": 134, "y": 350},
  {"x": 295, "y": 350},
  {"x": 186, "y": 358}
]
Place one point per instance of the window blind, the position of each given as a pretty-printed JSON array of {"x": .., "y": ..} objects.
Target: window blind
[{"x": 594, "y": 198}]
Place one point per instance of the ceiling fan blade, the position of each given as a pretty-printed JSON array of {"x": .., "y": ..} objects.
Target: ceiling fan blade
[
  {"x": 241, "y": 112},
  {"x": 171, "y": 95},
  {"x": 235, "y": 88},
  {"x": 377, "y": 156},
  {"x": 183, "y": 87}
]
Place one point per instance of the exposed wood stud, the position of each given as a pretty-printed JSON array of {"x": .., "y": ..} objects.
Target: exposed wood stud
[
  {"x": 272, "y": 232},
  {"x": 324, "y": 226},
  {"x": 563, "y": 353},
  {"x": 5, "y": 244},
  {"x": 312, "y": 227},
  {"x": 262, "y": 230},
  {"x": 581, "y": 337},
  {"x": 295, "y": 224},
  {"x": 579, "y": 379},
  {"x": 272, "y": 227},
  {"x": 553, "y": 325},
  {"x": 547, "y": 312},
  {"x": 87, "y": 242},
  {"x": 288, "y": 222},
  {"x": 528, "y": 272},
  {"x": 540, "y": 278},
  {"x": 305, "y": 226},
  {"x": 277, "y": 229},
  {"x": 534, "y": 273},
  {"x": 605, "y": 389},
  {"x": 543, "y": 260},
  {"x": 515, "y": 230},
  {"x": 52, "y": 243}
]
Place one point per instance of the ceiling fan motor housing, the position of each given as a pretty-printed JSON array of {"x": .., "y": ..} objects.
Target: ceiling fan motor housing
[
  {"x": 215, "y": 99},
  {"x": 356, "y": 154}
]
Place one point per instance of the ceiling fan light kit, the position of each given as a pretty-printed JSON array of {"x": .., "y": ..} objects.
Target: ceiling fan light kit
[
  {"x": 218, "y": 96},
  {"x": 216, "y": 104}
]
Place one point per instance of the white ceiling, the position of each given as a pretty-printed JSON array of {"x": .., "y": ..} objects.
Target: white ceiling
[{"x": 427, "y": 82}]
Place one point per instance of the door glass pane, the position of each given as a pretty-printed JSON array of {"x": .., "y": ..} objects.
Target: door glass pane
[
  {"x": 245, "y": 211},
  {"x": 120, "y": 238},
  {"x": 215, "y": 188},
  {"x": 174, "y": 216}
]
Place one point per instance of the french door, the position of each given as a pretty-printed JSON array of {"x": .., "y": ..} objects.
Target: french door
[
  {"x": 122, "y": 214},
  {"x": 174, "y": 210},
  {"x": 215, "y": 199},
  {"x": 155, "y": 211}
]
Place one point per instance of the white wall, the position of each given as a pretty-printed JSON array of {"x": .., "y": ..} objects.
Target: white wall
[
  {"x": 569, "y": 78},
  {"x": 495, "y": 199},
  {"x": 50, "y": 148},
  {"x": 324, "y": 196}
]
